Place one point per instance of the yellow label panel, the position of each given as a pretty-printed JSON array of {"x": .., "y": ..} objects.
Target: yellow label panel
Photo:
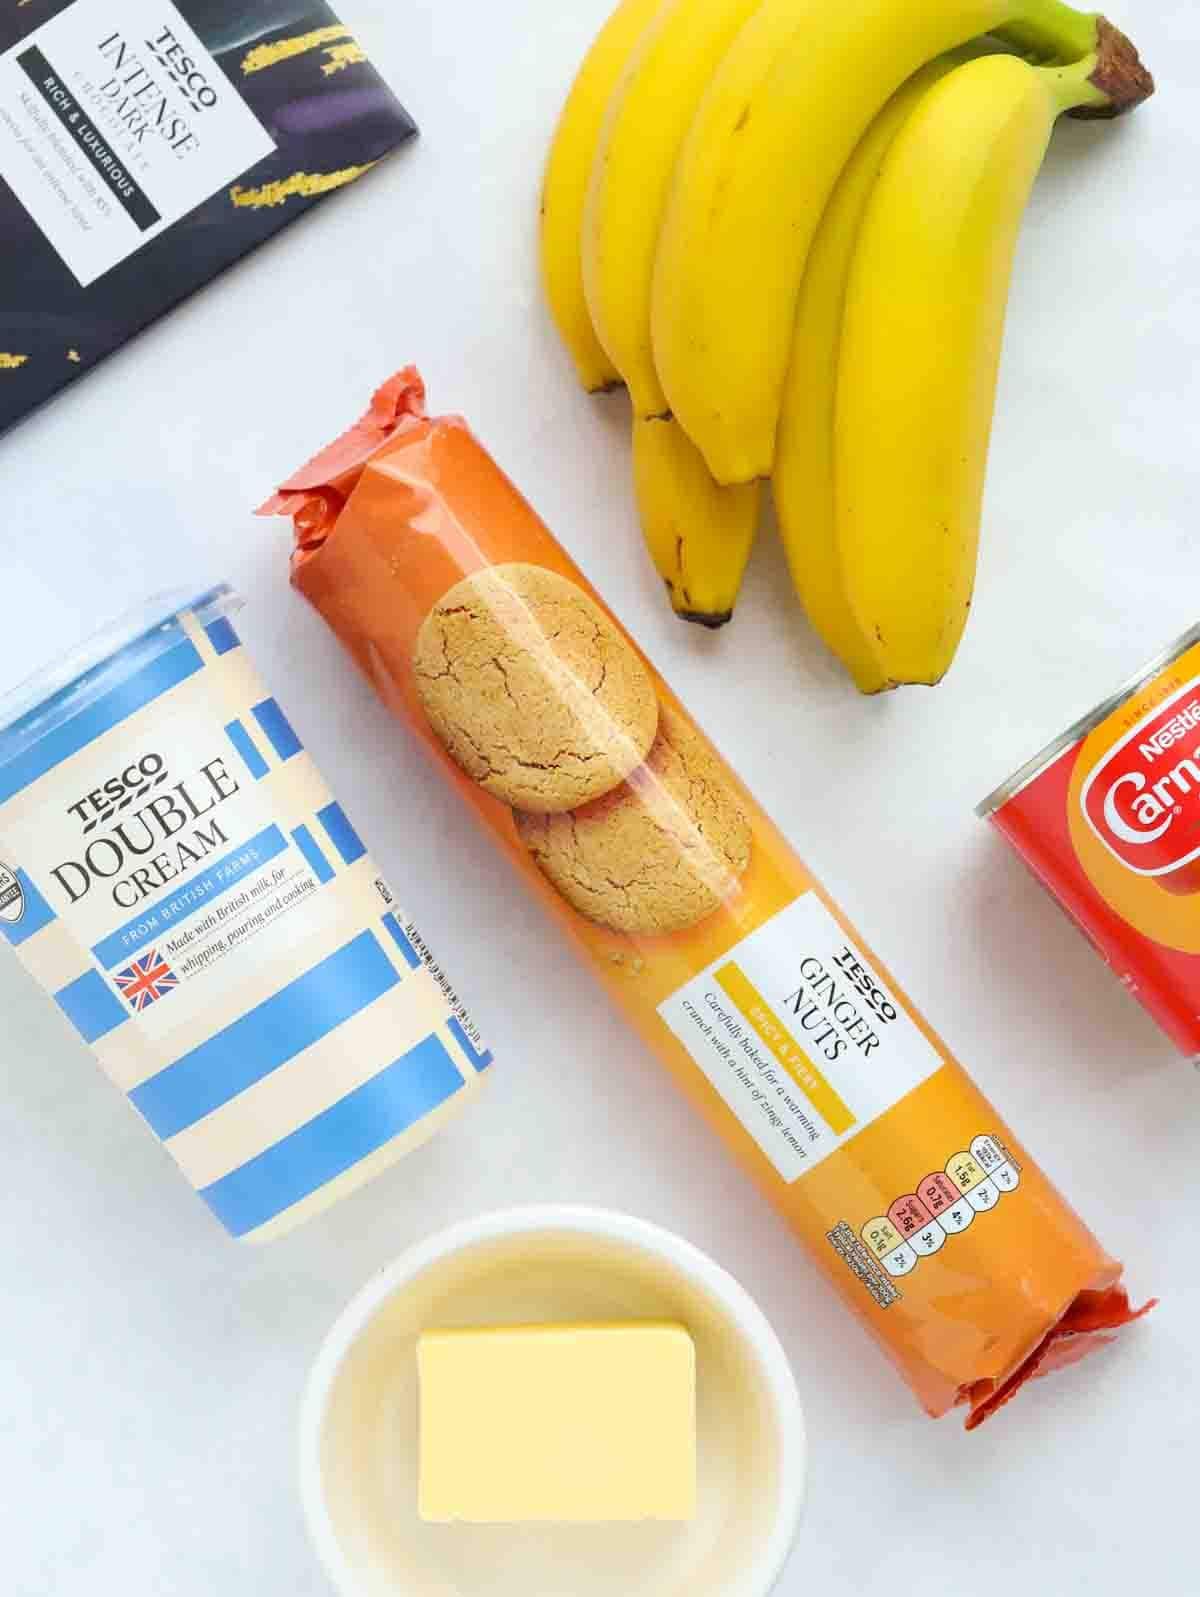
[
  {"x": 881, "y": 1236},
  {"x": 964, "y": 1172}
]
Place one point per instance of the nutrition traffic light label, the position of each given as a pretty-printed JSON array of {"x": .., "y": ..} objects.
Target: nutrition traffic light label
[{"x": 943, "y": 1205}]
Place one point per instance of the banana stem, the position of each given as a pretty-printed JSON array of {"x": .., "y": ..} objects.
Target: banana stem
[
  {"x": 1119, "y": 77},
  {"x": 1051, "y": 31},
  {"x": 1071, "y": 87},
  {"x": 1112, "y": 79}
]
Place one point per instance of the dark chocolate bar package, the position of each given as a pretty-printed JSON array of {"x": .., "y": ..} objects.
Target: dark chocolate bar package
[{"x": 145, "y": 145}]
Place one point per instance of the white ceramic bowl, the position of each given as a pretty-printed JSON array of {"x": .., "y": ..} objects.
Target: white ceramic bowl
[{"x": 358, "y": 1431}]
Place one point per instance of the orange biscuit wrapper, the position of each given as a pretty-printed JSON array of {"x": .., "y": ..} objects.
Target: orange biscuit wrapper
[{"x": 775, "y": 1018}]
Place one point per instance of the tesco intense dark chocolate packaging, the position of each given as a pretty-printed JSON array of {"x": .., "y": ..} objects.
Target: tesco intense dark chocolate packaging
[{"x": 145, "y": 145}]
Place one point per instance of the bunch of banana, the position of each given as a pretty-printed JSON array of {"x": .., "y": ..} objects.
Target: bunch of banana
[{"x": 787, "y": 226}]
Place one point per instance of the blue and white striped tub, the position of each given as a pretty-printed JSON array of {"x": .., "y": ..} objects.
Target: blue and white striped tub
[{"x": 176, "y": 874}]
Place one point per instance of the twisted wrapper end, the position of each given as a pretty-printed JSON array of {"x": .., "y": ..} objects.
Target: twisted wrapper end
[{"x": 315, "y": 493}]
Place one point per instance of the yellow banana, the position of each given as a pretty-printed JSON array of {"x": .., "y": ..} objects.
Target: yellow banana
[
  {"x": 646, "y": 123},
  {"x": 781, "y": 117},
  {"x": 564, "y": 188},
  {"x": 803, "y": 480},
  {"x": 920, "y": 349},
  {"x": 699, "y": 535}
]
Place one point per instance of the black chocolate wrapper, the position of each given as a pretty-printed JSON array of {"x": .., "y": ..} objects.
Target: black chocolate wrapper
[{"x": 323, "y": 120}]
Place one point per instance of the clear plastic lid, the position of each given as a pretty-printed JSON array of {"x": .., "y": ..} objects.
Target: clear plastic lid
[{"x": 111, "y": 656}]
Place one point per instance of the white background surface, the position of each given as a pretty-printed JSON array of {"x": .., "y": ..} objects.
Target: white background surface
[{"x": 149, "y": 1370}]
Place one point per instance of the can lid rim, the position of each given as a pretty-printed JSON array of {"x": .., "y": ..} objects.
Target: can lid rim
[
  {"x": 75, "y": 679},
  {"x": 1032, "y": 769}
]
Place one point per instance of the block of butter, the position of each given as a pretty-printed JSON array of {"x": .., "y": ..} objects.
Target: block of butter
[{"x": 567, "y": 1423}]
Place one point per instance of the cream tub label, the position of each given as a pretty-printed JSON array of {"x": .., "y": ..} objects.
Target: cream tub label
[
  {"x": 800, "y": 1036},
  {"x": 179, "y": 877}
]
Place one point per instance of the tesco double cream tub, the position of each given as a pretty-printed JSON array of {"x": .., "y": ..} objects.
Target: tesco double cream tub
[{"x": 176, "y": 874}]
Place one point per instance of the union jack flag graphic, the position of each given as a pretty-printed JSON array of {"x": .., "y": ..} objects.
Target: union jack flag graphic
[{"x": 147, "y": 980}]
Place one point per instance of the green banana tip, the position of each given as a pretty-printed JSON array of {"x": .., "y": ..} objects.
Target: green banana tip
[{"x": 1118, "y": 76}]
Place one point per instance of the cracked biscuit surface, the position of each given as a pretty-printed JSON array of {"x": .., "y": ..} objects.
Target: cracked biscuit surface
[
  {"x": 659, "y": 854},
  {"x": 532, "y": 690}
]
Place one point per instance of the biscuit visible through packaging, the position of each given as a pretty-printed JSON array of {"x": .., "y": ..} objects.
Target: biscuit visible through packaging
[
  {"x": 532, "y": 690},
  {"x": 785, "y": 1031},
  {"x": 661, "y": 852}
]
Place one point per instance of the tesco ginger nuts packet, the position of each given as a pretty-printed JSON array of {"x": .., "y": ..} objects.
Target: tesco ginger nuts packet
[{"x": 776, "y": 1019}]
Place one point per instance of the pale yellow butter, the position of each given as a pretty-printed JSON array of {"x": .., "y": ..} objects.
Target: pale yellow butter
[{"x": 558, "y": 1422}]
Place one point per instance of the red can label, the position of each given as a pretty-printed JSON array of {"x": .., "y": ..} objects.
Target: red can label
[
  {"x": 1143, "y": 799},
  {"x": 1111, "y": 825}
]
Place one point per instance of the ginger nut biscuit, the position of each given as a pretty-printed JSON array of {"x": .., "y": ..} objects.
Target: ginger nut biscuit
[
  {"x": 658, "y": 855},
  {"x": 532, "y": 690}
]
